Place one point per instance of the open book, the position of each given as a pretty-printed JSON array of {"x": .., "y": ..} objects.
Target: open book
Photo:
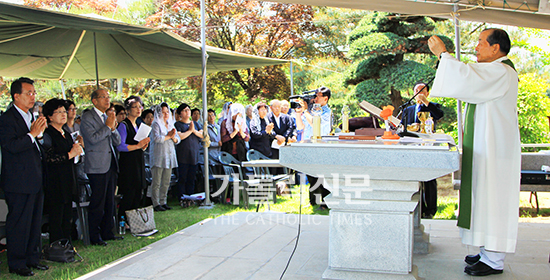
[{"x": 376, "y": 111}]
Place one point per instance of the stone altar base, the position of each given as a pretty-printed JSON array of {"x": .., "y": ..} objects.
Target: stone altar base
[{"x": 371, "y": 229}]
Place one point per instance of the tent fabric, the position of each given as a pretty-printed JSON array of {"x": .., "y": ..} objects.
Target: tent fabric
[
  {"x": 52, "y": 45},
  {"x": 523, "y": 13}
]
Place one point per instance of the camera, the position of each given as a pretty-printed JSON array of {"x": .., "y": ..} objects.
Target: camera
[{"x": 294, "y": 100}]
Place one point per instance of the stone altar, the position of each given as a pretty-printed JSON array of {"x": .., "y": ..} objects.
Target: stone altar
[{"x": 374, "y": 193}]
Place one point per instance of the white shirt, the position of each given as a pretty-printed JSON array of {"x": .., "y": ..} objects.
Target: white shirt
[
  {"x": 100, "y": 114},
  {"x": 27, "y": 117},
  {"x": 278, "y": 120}
]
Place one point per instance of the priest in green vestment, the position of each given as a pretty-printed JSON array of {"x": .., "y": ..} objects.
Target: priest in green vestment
[{"x": 491, "y": 158}]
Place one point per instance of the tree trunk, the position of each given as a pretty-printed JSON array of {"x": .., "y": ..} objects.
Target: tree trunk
[
  {"x": 239, "y": 79},
  {"x": 147, "y": 85},
  {"x": 396, "y": 100}
]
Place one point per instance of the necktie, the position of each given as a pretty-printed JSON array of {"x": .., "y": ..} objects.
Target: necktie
[{"x": 104, "y": 116}]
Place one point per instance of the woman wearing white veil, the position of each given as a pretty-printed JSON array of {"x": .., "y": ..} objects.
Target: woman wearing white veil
[
  {"x": 163, "y": 155},
  {"x": 261, "y": 130},
  {"x": 225, "y": 111},
  {"x": 235, "y": 133}
]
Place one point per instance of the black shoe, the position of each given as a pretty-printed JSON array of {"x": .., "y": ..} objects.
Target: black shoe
[
  {"x": 321, "y": 208},
  {"x": 22, "y": 271},
  {"x": 114, "y": 238},
  {"x": 99, "y": 243},
  {"x": 159, "y": 208},
  {"x": 472, "y": 259},
  {"x": 38, "y": 266},
  {"x": 166, "y": 207},
  {"x": 480, "y": 269}
]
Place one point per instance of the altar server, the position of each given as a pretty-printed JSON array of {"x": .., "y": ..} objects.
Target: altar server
[{"x": 491, "y": 153}]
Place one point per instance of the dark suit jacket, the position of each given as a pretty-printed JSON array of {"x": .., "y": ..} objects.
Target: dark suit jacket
[
  {"x": 99, "y": 141},
  {"x": 286, "y": 125},
  {"x": 260, "y": 140},
  {"x": 435, "y": 112},
  {"x": 21, "y": 160}
]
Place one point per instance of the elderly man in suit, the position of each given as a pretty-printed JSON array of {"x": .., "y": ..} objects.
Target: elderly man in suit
[
  {"x": 283, "y": 126},
  {"x": 98, "y": 128},
  {"x": 22, "y": 178}
]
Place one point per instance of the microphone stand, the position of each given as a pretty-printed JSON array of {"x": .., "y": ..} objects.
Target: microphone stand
[{"x": 404, "y": 118}]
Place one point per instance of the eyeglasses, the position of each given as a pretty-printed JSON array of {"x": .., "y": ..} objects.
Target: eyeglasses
[
  {"x": 33, "y": 93},
  {"x": 60, "y": 112},
  {"x": 103, "y": 96}
]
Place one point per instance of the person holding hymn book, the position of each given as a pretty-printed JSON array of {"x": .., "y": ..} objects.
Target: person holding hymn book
[{"x": 131, "y": 179}]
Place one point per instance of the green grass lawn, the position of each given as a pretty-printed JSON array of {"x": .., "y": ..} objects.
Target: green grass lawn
[{"x": 170, "y": 222}]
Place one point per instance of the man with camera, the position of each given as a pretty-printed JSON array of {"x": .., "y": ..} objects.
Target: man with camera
[{"x": 304, "y": 120}]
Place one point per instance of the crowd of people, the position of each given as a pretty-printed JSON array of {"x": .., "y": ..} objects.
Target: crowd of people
[
  {"x": 44, "y": 144},
  {"x": 49, "y": 151}
]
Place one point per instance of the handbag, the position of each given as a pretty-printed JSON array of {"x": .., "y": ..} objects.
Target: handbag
[
  {"x": 141, "y": 220},
  {"x": 61, "y": 251}
]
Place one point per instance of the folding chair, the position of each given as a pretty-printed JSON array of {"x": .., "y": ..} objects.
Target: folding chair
[
  {"x": 264, "y": 173},
  {"x": 244, "y": 186}
]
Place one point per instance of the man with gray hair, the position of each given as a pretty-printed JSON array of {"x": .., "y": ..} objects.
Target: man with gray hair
[
  {"x": 283, "y": 127},
  {"x": 98, "y": 128}
]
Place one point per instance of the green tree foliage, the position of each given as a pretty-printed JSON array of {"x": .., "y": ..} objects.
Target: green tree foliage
[
  {"x": 379, "y": 45},
  {"x": 533, "y": 109},
  {"x": 252, "y": 27},
  {"x": 331, "y": 41}
]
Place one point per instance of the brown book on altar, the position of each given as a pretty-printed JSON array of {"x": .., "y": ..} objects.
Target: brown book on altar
[{"x": 356, "y": 137}]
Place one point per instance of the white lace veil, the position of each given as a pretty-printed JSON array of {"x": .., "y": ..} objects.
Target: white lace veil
[
  {"x": 159, "y": 118},
  {"x": 225, "y": 110},
  {"x": 235, "y": 109}
]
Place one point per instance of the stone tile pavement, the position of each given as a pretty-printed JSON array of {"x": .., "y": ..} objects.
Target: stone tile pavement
[{"x": 258, "y": 245}]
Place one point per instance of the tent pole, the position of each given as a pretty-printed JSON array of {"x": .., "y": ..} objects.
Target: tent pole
[
  {"x": 291, "y": 80},
  {"x": 207, "y": 203},
  {"x": 119, "y": 86},
  {"x": 96, "y": 68},
  {"x": 62, "y": 88},
  {"x": 457, "y": 53}
]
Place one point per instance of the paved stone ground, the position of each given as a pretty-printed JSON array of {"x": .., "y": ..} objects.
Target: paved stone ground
[{"x": 258, "y": 245}]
